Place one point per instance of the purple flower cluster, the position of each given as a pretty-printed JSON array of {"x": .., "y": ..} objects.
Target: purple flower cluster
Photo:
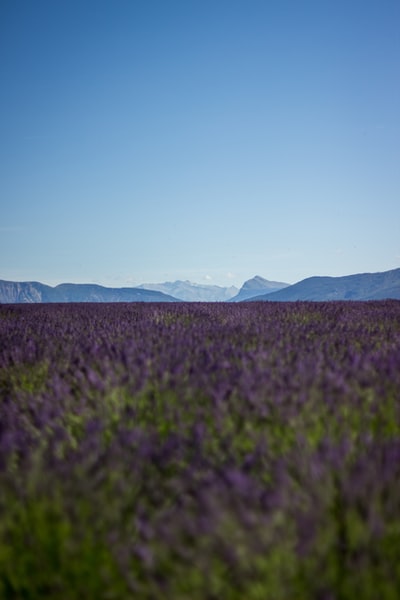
[{"x": 200, "y": 450}]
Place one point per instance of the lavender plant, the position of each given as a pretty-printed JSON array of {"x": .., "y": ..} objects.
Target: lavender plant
[{"x": 203, "y": 451}]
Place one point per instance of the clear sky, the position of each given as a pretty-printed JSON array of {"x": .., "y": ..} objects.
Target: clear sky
[{"x": 210, "y": 140}]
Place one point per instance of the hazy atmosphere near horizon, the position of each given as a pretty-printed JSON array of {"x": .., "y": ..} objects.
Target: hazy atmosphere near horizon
[{"x": 213, "y": 140}]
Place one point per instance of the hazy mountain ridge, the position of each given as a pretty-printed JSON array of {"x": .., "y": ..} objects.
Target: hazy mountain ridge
[
  {"x": 361, "y": 286},
  {"x": 193, "y": 292},
  {"x": 32, "y": 291},
  {"x": 257, "y": 286}
]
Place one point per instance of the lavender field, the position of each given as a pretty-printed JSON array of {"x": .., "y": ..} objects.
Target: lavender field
[{"x": 200, "y": 451}]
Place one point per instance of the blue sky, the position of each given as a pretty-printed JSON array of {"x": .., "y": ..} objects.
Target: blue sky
[{"x": 154, "y": 140}]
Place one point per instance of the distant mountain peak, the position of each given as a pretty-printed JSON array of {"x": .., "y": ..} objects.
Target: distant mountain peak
[
  {"x": 258, "y": 282},
  {"x": 257, "y": 286}
]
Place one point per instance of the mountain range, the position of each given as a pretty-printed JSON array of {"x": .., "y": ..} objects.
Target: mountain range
[
  {"x": 194, "y": 292},
  {"x": 362, "y": 286},
  {"x": 33, "y": 291},
  {"x": 177, "y": 291}
]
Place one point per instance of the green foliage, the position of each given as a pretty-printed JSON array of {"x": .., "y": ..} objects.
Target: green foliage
[
  {"x": 28, "y": 378},
  {"x": 46, "y": 554}
]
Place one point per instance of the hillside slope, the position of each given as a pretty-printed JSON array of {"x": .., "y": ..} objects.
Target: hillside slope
[
  {"x": 362, "y": 286},
  {"x": 32, "y": 291}
]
